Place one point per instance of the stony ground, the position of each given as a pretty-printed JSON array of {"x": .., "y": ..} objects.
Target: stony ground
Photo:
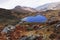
[{"x": 33, "y": 31}]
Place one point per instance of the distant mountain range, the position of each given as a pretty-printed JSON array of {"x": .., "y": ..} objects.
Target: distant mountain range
[{"x": 49, "y": 6}]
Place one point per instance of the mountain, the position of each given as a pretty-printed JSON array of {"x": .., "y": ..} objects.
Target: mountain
[
  {"x": 24, "y": 9},
  {"x": 49, "y": 6},
  {"x": 7, "y": 17},
  {"x": 13, "y": 16}
]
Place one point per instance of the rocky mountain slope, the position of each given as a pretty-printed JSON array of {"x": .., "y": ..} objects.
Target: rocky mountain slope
[
  {"x": 24, "y": 9},
  {"x": 12, "y": 16},
  {"x": 6, "y": 17}
]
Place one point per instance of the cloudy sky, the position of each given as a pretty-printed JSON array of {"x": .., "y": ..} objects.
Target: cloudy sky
[{"x": 9, "y": 4}]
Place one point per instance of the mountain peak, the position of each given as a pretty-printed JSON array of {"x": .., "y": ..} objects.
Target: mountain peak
[
  {"x": 24, "y": 9},
  {"x": 18, "y": 6}
]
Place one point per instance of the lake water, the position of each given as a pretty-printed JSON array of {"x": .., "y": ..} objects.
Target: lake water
[{"x": 37, "y": 18}]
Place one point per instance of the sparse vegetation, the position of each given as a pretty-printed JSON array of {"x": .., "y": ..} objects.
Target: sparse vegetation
[{"x": 8, "y": 17}]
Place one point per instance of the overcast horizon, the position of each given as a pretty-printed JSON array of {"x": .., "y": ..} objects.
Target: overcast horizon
[{"x": 9, "y": 4}]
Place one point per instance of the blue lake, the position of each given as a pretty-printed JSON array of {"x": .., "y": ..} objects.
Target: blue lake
[{"x": 37, "y": 18}]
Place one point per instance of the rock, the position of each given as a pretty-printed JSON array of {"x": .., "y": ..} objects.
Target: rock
[
  {"x": 32, "y": 37},
  {"x": 57, "y": 29},
  {"x": 8, "y": 28}
]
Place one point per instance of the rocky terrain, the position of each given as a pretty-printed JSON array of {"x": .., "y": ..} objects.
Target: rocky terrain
[{"x": 12, "y": 28}]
